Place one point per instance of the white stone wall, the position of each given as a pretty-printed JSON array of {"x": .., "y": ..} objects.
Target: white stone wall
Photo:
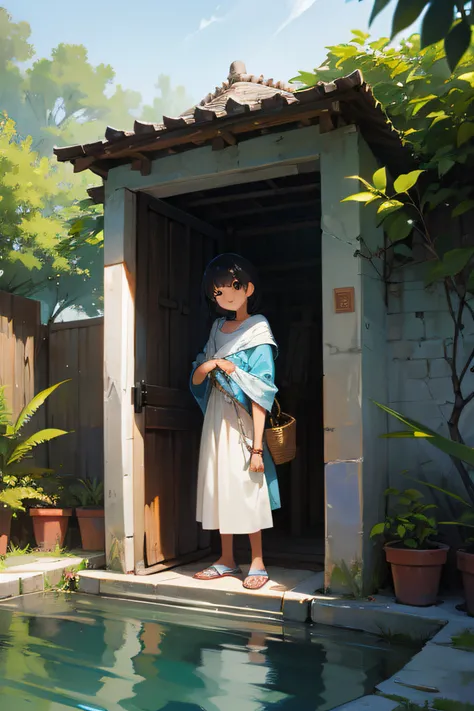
[{"x": 419, "y": 327}]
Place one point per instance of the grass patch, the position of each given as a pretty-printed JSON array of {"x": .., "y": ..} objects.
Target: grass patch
[
  {"x": 464, "y": 641},
  {"x": 448, "y": 705},
  {"x": 405, "y": 704},
  {"x": 14, "y": 550},
  {"x": 402, "y": 640}
]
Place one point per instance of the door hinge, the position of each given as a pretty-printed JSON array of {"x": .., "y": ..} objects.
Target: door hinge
[{"x": 139, "y": 396}]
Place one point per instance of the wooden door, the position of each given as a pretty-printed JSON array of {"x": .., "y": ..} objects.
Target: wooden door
[{"x": 173, "y": 249}]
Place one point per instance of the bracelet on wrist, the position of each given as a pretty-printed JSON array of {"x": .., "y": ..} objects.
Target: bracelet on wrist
[{"x": 257, "y": 451}]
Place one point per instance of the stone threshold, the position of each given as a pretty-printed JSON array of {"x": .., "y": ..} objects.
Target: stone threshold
[
  {"x": 36, "y": 573},
  {"x": 287, "y": 595}
]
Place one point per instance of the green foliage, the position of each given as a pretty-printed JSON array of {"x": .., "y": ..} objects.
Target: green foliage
[
  {"x": 432, "y": 107},
  {"x": 50, "y": 238},
  {"x": 448, "y": 20},
  {"x": 348, "y": 577},
  {"x": 410, "y": 523},
  {"x": 70, "y": 578},
  {"x": 15, "y": 551},
  {"x": 169, "y": 102},
  {"x": 464, "y": 640},
  {"x": 426, "y": 103},
  {"x": 450, "y": 705},
  {"x": 417, "y": 430},
  {"x": 88, "y": 492},
  {"x": 39, "y": 257},
  {"x": 19, "y": 478},
  {"x": 457, "y": 450},
  {"x": 465, "y": 520},
  {"x": 402, "y": 639},
  {"x": 435, "y": 705}
]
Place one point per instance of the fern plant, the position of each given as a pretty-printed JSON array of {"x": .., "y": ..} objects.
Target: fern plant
[{"x": 19, "y": 476}]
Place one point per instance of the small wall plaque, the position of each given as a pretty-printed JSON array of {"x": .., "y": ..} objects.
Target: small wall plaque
[{"x": 344, "y": 300}]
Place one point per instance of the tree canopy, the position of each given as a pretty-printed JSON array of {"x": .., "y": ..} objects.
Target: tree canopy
[
  {"x": 431, "y": 107},
  {"x": 59, "y": 100},
  {"x": 447, "y": 20}
]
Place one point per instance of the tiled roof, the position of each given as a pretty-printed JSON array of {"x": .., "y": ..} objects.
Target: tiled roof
[{"x": 244, "y": 104}]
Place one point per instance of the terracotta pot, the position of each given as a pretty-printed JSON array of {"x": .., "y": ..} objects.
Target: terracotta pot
[
  {"x": 466, "y": 566},
  {"x": 5, "y": 525},
  {"x": 91, "y": 524},
  {"x": 416, "y": 573},
  {"x": 50, "y": 527}
]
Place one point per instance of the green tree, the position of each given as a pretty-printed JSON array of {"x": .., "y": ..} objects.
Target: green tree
[
  {"x": 52, "y": 239},
  {"x": 432, "y": 108},
  {"x": 447, "y": 20},
  {"x": 38, "y": 257},
  {"x": 170, "y": 101},
  {"x": 14, "y": 48}
]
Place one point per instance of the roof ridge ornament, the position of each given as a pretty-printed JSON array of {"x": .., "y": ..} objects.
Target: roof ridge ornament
[{"x": 237, "y": 71}]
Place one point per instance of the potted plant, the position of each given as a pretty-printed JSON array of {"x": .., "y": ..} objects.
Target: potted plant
[
  {"x": 465, "y": 555},
  {"x": 89, "y": 493},
  {"x": 416, "y": 560},
  {"x": 459, "y": 452},
  {"x": 18, "y": 476}
]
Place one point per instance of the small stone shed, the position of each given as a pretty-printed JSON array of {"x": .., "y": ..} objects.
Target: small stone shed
[{"x": 259, "y": 169}]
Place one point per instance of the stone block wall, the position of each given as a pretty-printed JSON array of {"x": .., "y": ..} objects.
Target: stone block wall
[{"x": 419, "y": 328}]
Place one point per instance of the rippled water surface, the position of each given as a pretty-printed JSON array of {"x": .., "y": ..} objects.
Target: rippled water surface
[{"x": 61, "y": 652}]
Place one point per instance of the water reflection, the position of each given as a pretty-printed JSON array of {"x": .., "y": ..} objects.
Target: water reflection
[{"x": 62, "y": 652}]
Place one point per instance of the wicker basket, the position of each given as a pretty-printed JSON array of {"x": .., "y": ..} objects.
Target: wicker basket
[{"x": 281, "y": 436}]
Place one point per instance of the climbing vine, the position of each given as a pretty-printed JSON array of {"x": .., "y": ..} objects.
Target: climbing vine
[{"x": 427, "y": 214}]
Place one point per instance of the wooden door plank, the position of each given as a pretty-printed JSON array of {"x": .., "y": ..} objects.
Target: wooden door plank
[
  {"x": 148, "y": 534},
  {"x": 185, "y": 494},
  {"x": 172, "y": 315},
  {"x": 141, "y": 299},
  {"x": 156, "y": 530},
  {"x": 185, "y": 218},
  {"x": 160, "y": 396},
  {"x": 162, "y": 418},
  {"x": 179, "y": 268}
]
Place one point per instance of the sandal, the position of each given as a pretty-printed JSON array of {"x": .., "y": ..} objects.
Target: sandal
[
  {"x": 256, "y": 574},
  {"x": 217, "y": 571}
]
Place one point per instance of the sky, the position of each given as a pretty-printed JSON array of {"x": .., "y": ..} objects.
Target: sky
[{"x": 195, "y": 41}]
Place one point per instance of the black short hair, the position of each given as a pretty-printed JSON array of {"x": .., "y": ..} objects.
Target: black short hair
[{"x": 222, "y": 271}]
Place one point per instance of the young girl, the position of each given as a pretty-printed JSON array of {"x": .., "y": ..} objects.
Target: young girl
[{"x": 233, "y": 382}]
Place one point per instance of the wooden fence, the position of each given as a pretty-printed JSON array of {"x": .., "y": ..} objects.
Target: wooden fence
[
  {"x": 20, "y": 337},
  {"x": 34, "y": 356}
]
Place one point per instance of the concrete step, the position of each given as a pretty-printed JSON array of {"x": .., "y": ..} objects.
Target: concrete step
[
  {"x": 37, "y": 572},
  {"x": 287, "y": 595}
]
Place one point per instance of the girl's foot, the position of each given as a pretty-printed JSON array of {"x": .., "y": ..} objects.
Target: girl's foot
[
  {"x": 256, "y": 579},
  {"x": 219, "y": 570}
]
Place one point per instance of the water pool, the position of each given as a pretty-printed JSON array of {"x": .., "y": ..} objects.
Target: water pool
[{"x": 74, "y": 651}]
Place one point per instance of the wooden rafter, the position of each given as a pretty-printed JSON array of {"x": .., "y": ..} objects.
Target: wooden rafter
[
  {"x": 272, "y": 229},
  {"x": 252, "y": 194},
  {"x": 268, "y": 208},
  {"x": 207, "y": 131}
]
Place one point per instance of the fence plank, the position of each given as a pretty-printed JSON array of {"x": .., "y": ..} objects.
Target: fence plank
[
  {"x": 76, "y": 353},
  {"x": 19, "y": 323},
  {"x": 32, "y": 357}
]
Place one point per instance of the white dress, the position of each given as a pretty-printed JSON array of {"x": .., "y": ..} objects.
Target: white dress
[{"x": 229, "y": 496}]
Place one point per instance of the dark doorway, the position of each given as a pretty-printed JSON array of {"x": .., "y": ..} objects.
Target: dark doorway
[{"x": 275, "y": 224}]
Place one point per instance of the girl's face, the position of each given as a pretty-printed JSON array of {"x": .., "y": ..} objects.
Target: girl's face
[{"x": 233, "y": 297}]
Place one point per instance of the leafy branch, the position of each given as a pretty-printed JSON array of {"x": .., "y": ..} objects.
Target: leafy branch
[
  {"x": 405, "y": 213},
  {"x": 447, "y": 20}
]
